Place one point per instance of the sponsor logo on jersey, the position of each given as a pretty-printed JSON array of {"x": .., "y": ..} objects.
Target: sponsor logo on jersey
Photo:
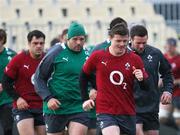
[
  {"x": 104, "y": 63},
  {"x": 66, "y": 59},
  {"x": 26, "y": 66}
]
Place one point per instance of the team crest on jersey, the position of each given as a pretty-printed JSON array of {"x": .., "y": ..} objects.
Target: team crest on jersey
[
  {"x": 149, "y": 57},
  {"x": 127, "y": 65},
  {"x": 86, "y": 52}
]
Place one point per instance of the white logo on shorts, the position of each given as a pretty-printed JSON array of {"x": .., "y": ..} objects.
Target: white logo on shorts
[
  {"x": 17, "y": 117},
  {"x": 46, "y": 127},
  {"x": 101, "y": 124}
]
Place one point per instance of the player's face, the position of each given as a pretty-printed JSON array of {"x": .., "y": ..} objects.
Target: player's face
[
  {"x": 76, "y": 43},
  {"x": 119, "y": 44},
  {"x": 36, "y": 47},
  {"x": 139, "y": 43},
  {"x": 171, "y": 49}
]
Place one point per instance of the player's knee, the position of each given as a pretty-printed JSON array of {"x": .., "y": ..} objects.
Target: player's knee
[
  {"x": 176, "y": 115},
  {"x": 163, "y": 115},
  {"x": 139, "y": 130}
]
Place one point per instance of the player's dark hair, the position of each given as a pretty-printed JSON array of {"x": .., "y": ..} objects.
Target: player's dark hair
[
  {"x": 3, "y": 36},
  {"x": 35, "y": 33},
  {"x": 138, "y": 30},
  {"x": 119, "y": 29},
  {"x": 117, "y": 20}
]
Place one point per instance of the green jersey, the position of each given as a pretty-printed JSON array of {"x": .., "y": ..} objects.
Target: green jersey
[
  {"x": 5, "y": 56},
  {"x": 102, "y": 45},
  {"x": 61, "y": 66}
]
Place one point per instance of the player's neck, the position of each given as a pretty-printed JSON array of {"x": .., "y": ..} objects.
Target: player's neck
[
  {"x": 35, "y": 56},
  {"x": 115, "y": 53}
]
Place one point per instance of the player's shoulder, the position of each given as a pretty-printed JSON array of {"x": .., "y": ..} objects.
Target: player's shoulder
[
  {"x": 152, "y": 49},
  {"x": 99, "y": 52},
  {"x": 22, "y": 54},
  {"x": 57, "y": 47},
  {"x": 102, "y": 45},
  {"x": 133, "y": 56},
  {"x": 55, "y": 50},
  {"x": 9, "y": 51},
  {"x": 132, "y": 53}
]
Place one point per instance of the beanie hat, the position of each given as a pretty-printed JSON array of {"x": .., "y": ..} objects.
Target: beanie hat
[
  {"x": 76, "y": 29},
  {"x": 171, "y": 41}
]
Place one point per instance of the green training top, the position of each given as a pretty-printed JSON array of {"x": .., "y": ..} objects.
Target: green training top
[
  {"x": 5, "y": 56},
  {"x": 62, "y": 67}
]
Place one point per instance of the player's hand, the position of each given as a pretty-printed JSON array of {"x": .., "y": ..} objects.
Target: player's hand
[
  {"x": 88, "y": 104},
  {"x": 1, "y": 89},
  {"x": 93, "y": 94},
  {"x": 53, "y": 104},
  {"x": 22, "y": 104},
  {"x": 138, "y": 73},
  {"x": 166, "y": 98}
]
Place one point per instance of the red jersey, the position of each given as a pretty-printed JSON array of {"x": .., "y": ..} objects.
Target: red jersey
[
  {"x": 21, "y": 68},
  {"x": 175, "y": 64},
  {"x": 114, "y": 80}
]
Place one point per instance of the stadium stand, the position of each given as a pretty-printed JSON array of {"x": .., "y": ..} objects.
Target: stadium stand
[{"x": 20, "y": 16}]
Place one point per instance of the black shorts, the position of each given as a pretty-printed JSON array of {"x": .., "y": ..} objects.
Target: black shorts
[
  {"x": 126, "y": 123},
  {"x": 150, "y": 121},
  {"x": 176, "y": 102},
  {"x": 6, "y": 118},
  {"x": 92, "y": 123},
  {"x": 56, "y": 123},
  {"x": 36, "y": 114}
]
